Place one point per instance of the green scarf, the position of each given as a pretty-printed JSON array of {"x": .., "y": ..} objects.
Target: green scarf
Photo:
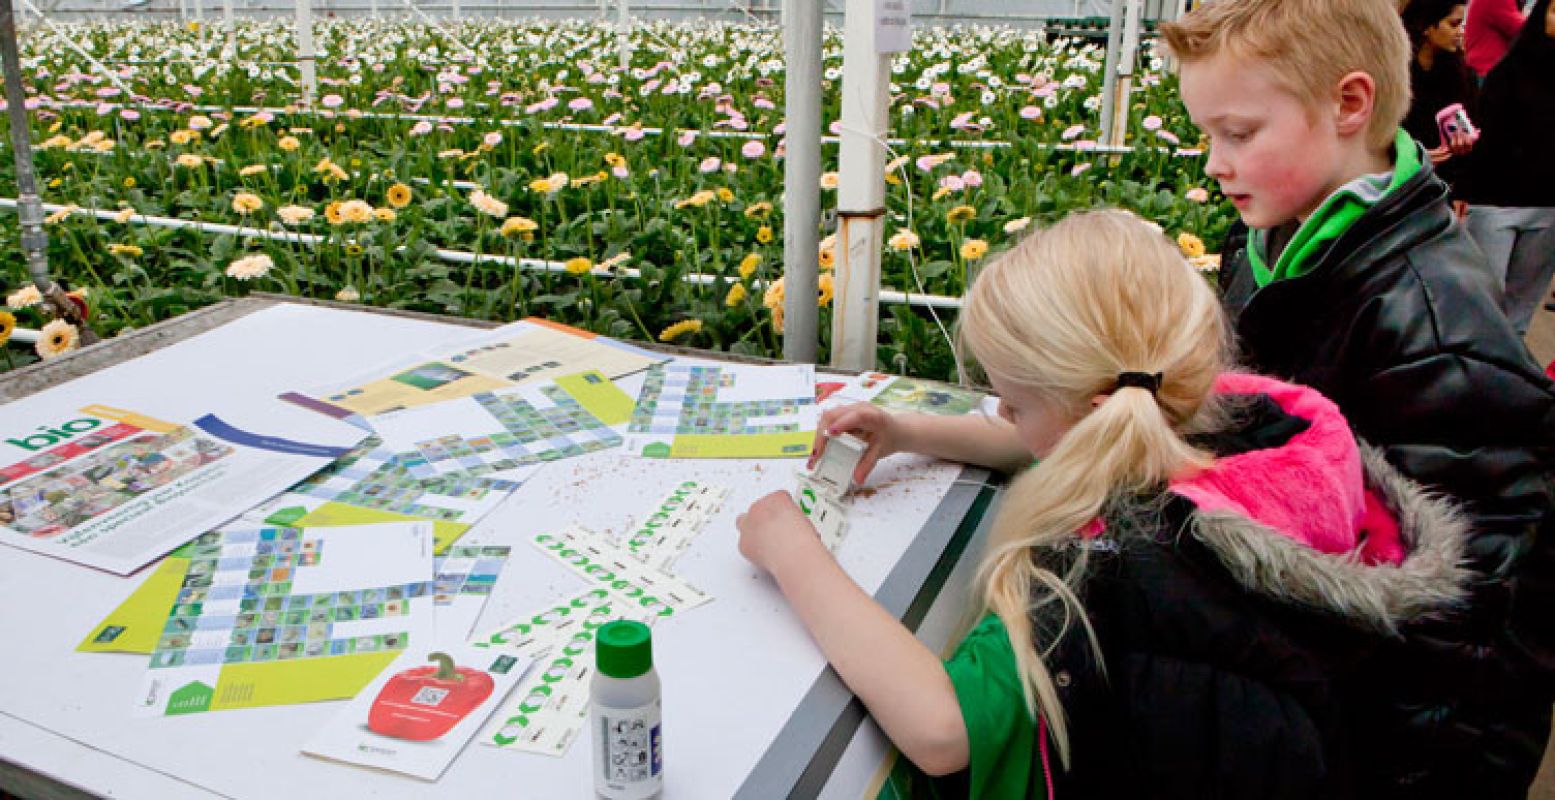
[{"x": 1335, "y": 216}]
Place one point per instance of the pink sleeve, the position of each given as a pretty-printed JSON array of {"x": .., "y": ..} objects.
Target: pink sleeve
[{"x": 1505, "y": 19}]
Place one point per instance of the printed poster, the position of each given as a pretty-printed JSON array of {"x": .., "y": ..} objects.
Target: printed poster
[
  {"x": 724, "y": 411},
  {"x": 492, "y": 432},
  {"x": 278, "y": 616},
  {"x": 115, "y": 490}
]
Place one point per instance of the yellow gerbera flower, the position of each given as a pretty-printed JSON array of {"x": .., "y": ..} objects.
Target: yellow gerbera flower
[
  {"x": 384, "y": 214},
  {"x": 126, "y": 250},
  {"x": 697, "y": 200},
  {"x": 903, "y": 240},
  {"x": 764, "y": 234},
  {"x": 973, "y": 249},
  {"x": 180, "y": 137},
  {"x": 7, "y": 324},
  {"x": 253, "y": 169},
  {"x": 332, "y": 213},
  {"x": 828, "y": 259},
  {"x": 246, "y": 202},
  {"x": 357, "y": 211},
  {"x": 615, "y": 160},
  {"x": 399, "y": 195},
  {"x": 516, "y": 226},
  {"x": 748, "y": 265},
  {"x": 829, "y": 180},
  {"x": 189, "y": 160},
  {"x": 1191, "y": 246},
  {"x": 960, "y": 214},
  {"x": 758, "y": 210},
  {"x": 679, "y": 329},
  {"x": 578, "y": 266},
  {"x": 724, "y": 195},
  {"x": 288, "y": 143},
  {"x": 57, "y": 338},
  {"x": 736, "y": 295},
  {"x": 827, "y": 285}
]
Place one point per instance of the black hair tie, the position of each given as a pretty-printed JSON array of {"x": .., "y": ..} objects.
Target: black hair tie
[{"x": 1149, "y": 381}]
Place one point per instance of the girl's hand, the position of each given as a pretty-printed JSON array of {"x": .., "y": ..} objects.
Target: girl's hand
[
  {"x": 1439, "y": 154},
  {"x": 772, "y": 526},
  {"x": 881, "y": 429}
]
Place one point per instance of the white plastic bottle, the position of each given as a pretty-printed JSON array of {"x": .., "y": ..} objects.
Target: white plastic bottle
[{"x": 624, "y": 714}]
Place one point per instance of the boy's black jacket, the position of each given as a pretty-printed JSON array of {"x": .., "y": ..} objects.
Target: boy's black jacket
[{"x": 1400, "y": 323}]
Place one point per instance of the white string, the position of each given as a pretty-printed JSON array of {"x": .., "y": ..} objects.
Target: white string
[{"x": 912, "y": 261}]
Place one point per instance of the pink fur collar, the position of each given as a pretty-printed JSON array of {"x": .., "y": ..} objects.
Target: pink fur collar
[{"x": 1312, "y": 489}]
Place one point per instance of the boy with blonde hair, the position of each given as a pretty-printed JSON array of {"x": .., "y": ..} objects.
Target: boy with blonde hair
[{"x": 1356, "y": 279}]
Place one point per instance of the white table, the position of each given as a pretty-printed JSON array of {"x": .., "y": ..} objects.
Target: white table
[{"x": 751, "y": 709}]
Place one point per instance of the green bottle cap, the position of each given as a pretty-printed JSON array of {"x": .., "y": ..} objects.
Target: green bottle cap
[{"x": 623, "y": 649}]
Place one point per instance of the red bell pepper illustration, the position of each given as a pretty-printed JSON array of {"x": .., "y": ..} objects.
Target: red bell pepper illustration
[{"x": 424, "y": 703}]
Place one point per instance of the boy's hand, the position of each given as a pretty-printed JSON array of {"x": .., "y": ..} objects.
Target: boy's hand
[
  {"x": 881, "y": 429},
  {"x": 772, "y": 526},
  {"x": 1460, "y": 144}
]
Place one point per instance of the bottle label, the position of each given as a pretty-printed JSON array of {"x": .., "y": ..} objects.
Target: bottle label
[{"x": 628, "y": 750}]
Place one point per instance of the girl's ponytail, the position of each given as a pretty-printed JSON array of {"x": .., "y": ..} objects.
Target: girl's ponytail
[{"x": 1066, "y": 313}]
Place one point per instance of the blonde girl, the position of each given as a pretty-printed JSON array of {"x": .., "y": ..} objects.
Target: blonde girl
[{"x": 1181, "y": 593}]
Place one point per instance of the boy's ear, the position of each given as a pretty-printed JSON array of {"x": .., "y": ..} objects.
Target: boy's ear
[{"x": 1356, "y": 99}]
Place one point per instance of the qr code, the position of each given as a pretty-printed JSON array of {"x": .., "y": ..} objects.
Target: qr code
[{"x": 429, "y": 696}]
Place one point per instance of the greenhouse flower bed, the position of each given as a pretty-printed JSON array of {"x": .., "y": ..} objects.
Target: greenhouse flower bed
[{"x": 497, "y": 170}]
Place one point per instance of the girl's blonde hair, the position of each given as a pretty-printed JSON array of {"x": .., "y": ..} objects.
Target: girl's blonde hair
[{"x": 1061, "y": 315}]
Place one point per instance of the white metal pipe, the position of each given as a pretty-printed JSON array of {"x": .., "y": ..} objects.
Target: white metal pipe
[
  {"x": 803, "y": 26},
  {"x": 623, "y": 34},
  {"x": 307, "y": 58},
  {"x": 450, "y": 256},
  {"x": 25, "y": 335},
  {"x": 866, "y": 96}
]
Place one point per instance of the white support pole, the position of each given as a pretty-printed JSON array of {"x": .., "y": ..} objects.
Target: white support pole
[
  {"x": 457, "y": 13},
  {"x": 866, "y": 74},
  {"x": 306, "y": 56},
  {"x": 803, "y": 26},
  {"x": 1109, "y": 70},
  {"x": 1123, "y": 84},
  {"x": 624, "y": 34},
  {"x": 229, "y": 49}
]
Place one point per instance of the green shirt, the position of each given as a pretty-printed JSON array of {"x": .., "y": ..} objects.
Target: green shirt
[{"x": 1005, "y": 761}]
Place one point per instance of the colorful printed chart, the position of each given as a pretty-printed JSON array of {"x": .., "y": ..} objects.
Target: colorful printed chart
[
  {"x": 495, "y": 431},
  {"x": 724, "y": 411},
  {"x": 372, "y": 477},
  {"x": 273, "y": 616}
]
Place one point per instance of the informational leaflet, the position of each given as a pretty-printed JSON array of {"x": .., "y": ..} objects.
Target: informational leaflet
[
  {"x": 724, "y": 411},
  {"x": 276, "y": 616},
  {"x": 897, "y": 393},
  {"x": 527, "y": 352},
  {"x": 417, "y": 715},
  {"x": 535, "y": 350},
  {"x": 114, "y": 489},
  {"x": 494, "y": 431}
]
